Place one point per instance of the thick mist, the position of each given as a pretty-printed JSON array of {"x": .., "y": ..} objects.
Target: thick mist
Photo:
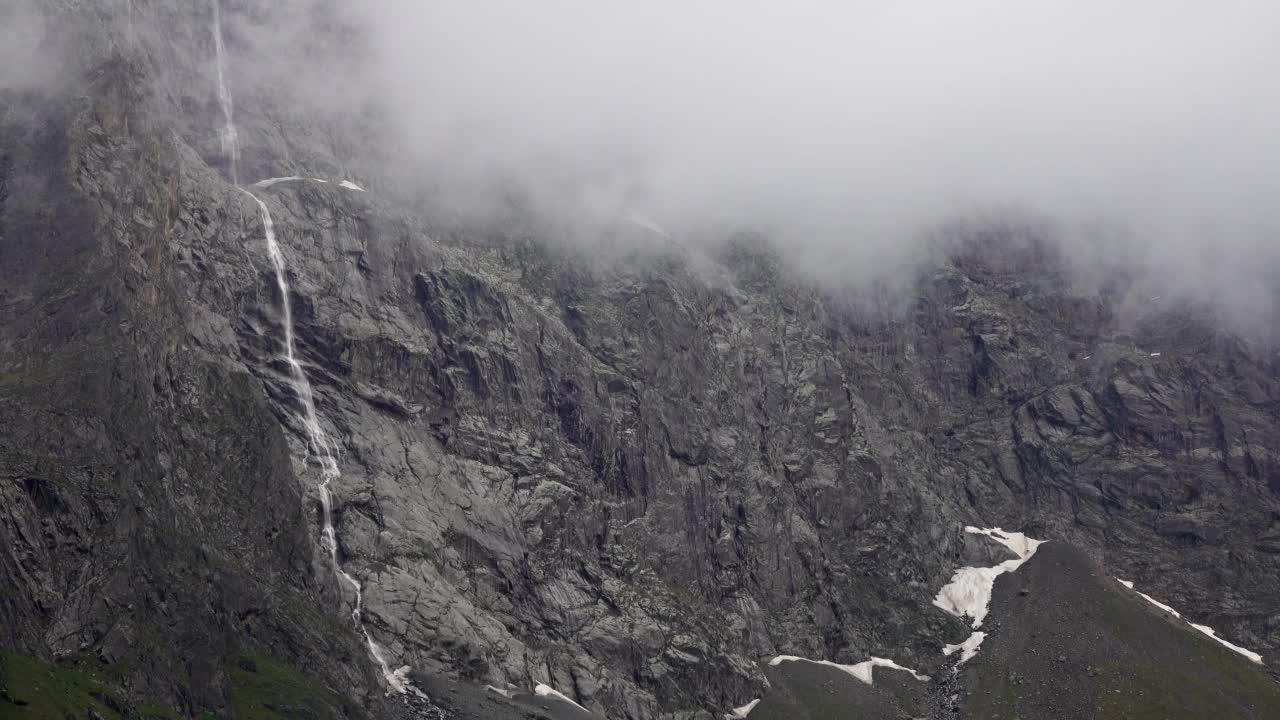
[
  {"x": 847, "y": 130},
  {"x": 26, "y": 60},
  {"x": 853, "y": 134}
]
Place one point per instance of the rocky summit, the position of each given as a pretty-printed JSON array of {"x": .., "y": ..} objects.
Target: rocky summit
[{"x": 304, "y": 449}]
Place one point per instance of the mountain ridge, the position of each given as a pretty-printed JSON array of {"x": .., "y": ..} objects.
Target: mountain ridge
[{"x": 635, "y": 480}]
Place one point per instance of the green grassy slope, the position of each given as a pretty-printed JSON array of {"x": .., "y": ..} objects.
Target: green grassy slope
[
  {"x": 260, "y": 689},
  {"x": 30, "y": 690}
]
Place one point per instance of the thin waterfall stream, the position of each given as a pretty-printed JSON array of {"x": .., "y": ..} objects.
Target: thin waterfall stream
[
  {"x": 229, "y": 137},
  {"x": 319, "y": 445}
]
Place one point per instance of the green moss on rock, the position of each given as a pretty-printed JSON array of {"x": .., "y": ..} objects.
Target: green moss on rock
[
  {"x": 263, "y": 689},
  {"x": 31, "y": 690}
]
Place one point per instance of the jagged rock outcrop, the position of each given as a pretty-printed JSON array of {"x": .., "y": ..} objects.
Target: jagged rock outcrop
[{"x": 630, "y": 480}]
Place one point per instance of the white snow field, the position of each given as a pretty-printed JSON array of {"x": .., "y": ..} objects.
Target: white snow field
[
  {"x": 968, "y": 648},
  {"x": 861, "y": 671},
  {"x": 543, "y": 690},
  {"x": 969, "y": 592}
]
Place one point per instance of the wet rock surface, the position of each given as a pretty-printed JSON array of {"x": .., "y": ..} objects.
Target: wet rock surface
[{"x": 634, "y": 481}]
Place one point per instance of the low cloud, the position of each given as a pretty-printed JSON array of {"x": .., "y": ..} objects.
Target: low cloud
[
  {"x": 1139, "y": 133},
  {"x": 849, "y": 129}
]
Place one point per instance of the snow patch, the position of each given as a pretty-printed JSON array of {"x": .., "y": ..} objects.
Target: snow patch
[
  {"x": 741, "y": 712},
  {"x": 968, "y": 648},
  {"x": 1247, "y": 653},
  {"x": 288, "y": 178},
  {"x": 1021, "y": 545},
  {"x": 969, "y": 592},
  {"x": 1202, "y": 628},
  {"x": 861, "y": 671},
  {"x": 350, "y": 185},
  {"x": 1150, "y": 599},
  {"x": 547, "y": 691},
  {"x": 272, "y": 181},
  {"x": 500, "y": 691}
]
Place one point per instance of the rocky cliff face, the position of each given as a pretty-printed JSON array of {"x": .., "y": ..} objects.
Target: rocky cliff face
[{"x": 630, "y": 479}]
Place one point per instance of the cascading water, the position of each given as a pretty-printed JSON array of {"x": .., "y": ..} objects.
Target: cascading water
[
  {"x": 230, "y": 139},
  {"x": 321, "y": 448},
  {"x": 319, "y": 445}
]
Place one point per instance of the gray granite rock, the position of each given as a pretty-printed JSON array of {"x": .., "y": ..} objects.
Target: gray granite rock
[{"x": 633, "y": 481}]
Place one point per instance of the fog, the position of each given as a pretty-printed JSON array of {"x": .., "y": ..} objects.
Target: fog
[
  {"x": 847, "y": 129},
  {"x": 21, "y": 31},
  {"x": 1139, "y": 131}
]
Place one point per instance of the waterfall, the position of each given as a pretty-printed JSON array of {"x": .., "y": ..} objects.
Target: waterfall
[
  {"x": 230, "y": 139},
  {"x": 321, "y": 448}
]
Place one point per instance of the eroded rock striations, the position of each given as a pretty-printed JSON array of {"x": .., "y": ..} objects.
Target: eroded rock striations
[{"x": 634, "y": 482}]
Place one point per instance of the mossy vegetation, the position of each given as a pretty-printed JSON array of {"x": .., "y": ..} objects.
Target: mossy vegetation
[
  {"x": 1186, "y": 675},
  {"x": 31, "y": 690},
  {"x": 151, "y": 711},
  {"x": 1230, "y": 688},
  {"x": 263, "y": 689}
]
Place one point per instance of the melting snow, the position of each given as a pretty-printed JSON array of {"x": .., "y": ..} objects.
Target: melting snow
[
  {"x": 547, "y": 691},
  {"x": 272, "y": 181},
  {"x": 969, "y": 592},
  {"x": 289, "y": 178},
  {"x": 861, "y": 671},
  {"x": 500, "y": 691},
  {"x": 350, "y": 185},
  {"x": 741, "y": 712},
  {"x": 1247, "y": 653},
  {"x": 1202, "y": 628},
  {"x": 968, "y": 648},
  {"x": 1150, "y": 599}
]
